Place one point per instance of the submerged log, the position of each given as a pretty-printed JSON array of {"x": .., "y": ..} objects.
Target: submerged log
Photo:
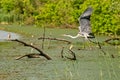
[{"x": 40, "y": 51}]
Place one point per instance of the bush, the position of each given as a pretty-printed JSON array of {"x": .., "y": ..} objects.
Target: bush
[{"x": 55, "y": 13}]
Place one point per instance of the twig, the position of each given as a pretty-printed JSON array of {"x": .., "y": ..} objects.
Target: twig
[
  {"x": 107, "y": 41},
  {"x": 40, "y": 51},
  {"x": 62, "y": 52},
  {"x": 111, "y": 39},
  {"x": 58, "y": 39}
]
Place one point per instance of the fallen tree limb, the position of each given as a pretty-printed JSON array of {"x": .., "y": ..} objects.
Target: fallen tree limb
[
  {"x": 112, "y": 39},
  {"x": 43, "y": 39},
  {"x": 40, "y": 51},
  {"x": 58, "y": 39},
  {"x": 29, "y": 56},
  {"x": 108, "y": 41}
]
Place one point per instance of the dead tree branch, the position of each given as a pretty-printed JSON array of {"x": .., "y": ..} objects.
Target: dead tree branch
[
  {"x": 108, "y": 41},
  {"x": 112, "y": 39},
  {"x": 40, "y": 51},
  {"x": 58, "y": 39},
  {"x": 29, "y": 56}
]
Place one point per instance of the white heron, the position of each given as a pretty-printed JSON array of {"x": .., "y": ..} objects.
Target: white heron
[{"x": 85, "y": 26}]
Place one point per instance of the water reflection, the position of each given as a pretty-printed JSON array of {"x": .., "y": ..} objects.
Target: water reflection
[{"x": 4, "y": 35}]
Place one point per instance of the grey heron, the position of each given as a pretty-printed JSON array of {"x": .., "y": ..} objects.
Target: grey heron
[{"x": 85, "y": 25}]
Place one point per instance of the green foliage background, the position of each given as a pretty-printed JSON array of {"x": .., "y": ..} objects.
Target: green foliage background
[{"x": 62, "y": 13}]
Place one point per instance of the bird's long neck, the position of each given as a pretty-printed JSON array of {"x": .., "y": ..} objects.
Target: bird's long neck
[{"x": 72, "y": 36}]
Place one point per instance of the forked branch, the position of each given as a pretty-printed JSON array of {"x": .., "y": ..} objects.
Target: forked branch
[{"x": 40, "y": 51}]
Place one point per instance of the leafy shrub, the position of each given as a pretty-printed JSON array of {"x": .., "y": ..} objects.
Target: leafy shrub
[{"x": 55, "y": 13}]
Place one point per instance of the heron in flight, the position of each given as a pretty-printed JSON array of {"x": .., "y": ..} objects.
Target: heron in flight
[{"x": 85, "y": 26}]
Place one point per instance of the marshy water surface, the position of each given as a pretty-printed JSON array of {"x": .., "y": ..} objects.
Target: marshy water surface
[{"x": 90, "y": 64}]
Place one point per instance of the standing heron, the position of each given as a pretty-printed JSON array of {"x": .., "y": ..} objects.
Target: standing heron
[{"x": 85, "y": 26}]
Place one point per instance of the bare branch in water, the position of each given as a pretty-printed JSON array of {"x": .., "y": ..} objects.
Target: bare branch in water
[
  {"x": 40, "y": 51},
  {"x": 108, "y": 41},
  {"x": 58, "y": 39},
  {"x": 29, "y": 56}
]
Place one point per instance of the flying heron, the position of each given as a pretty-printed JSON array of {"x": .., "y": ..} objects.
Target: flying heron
[{"x": 85, "y": 26}]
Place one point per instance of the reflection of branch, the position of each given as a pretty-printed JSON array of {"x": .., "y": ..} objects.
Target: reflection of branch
[
  {"x": 58, "y": 39},
  {"x": 40, "y": 51},
  {"x": 43, "y": 39}
]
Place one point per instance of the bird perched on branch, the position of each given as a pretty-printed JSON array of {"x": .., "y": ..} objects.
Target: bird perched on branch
[{"x": 85, "y": 25}]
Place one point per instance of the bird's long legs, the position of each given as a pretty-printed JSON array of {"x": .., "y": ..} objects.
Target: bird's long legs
[
  {"x": 87, "y": 43},
  {"x": 84, "y": 43}
]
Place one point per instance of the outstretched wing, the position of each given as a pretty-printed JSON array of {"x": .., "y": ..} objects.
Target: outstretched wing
[{"x": 84, "y": 20}]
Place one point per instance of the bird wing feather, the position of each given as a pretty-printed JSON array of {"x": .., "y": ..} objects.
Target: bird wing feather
[{"x": 84, "y": 21}]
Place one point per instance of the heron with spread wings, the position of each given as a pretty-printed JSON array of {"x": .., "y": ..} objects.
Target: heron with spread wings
[{"x": 85, "y": 26}]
